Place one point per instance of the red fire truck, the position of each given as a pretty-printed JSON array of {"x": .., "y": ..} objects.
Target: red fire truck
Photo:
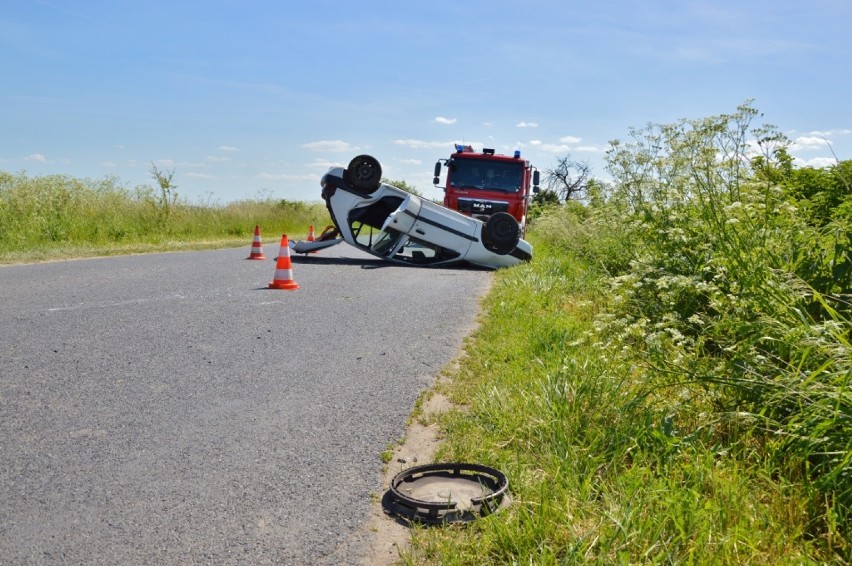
[{"x": 481, "y": 184}]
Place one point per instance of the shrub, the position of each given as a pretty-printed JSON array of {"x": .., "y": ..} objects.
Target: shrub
[{"x": 727, "y": 297}]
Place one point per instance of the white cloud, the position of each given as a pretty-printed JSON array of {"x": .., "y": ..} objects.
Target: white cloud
[
  {"x": 570, "y": 139},
  {"x": 442, "y": 120},
  {"x": 324, "y": 164},
  {"x": 287, "y": 177},
  {"x": 804, "y": 143},
  {"x": 589, "y": 148},
  {"x": 829, "y": 133},
  {"x": 555, "y": 148},
  {"x": 420, "y": 144},
  {"x": 36, "y": 157},
  {"x": 330, "y": 145},
  {"x": 171, "y": 163},
  {"x": 752, "y": 148},
  {"x": 817, "y": 162},
  {"x": 217, "y": 159},
  {"x": 527, "y": 125},
  {"x": 227, "y": 148},
  {"x": 535, "y": 142},
  {"x": 109, "y": 164}
]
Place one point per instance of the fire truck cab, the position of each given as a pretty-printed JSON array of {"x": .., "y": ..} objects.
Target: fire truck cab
[{"x": 481, "y": 184}]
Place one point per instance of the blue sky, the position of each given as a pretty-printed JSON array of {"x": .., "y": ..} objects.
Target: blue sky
[{"x": 255, "y": 99}]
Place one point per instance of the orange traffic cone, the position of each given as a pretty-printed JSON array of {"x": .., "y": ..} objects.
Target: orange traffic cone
[
  {"x": 284, "y": 268},
  {"x": 311, "y": 237},
  {"x": 256, "y": 246}
]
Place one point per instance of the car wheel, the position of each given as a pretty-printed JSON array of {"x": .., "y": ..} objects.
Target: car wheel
[
  {"x": 364, "y": 173},
  {"x": 501, "y": 233}
]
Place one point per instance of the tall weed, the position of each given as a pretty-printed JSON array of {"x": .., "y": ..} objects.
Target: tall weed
[{"x": 721, "y": 301}]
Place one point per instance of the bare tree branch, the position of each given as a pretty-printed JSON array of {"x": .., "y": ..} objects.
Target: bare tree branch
[{"x": 569, "y": 179}]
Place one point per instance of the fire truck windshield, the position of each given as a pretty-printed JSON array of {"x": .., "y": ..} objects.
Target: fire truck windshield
[{"x": 482, "y": 174}]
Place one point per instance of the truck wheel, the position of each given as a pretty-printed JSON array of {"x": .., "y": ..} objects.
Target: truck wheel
[
  {"x": 501, "y": 233},
  {"x": 364, "y": 173}
]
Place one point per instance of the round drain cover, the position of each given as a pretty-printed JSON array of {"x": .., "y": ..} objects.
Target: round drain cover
[{"x": 444, "y": 493}]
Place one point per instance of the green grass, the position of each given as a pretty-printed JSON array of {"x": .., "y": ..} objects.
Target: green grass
[
  {"x": 57, "y": 217},
  {"x": 601, "y": 468},
  {"x": 669, "y": 380}
]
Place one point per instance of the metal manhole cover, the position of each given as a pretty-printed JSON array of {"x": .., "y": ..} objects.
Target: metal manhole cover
[{"x": 444, "y": 493}]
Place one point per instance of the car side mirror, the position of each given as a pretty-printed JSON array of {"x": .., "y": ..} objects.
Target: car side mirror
[
  {"x": 437, "y": 180},
  {"x": 536, "y": 179}
]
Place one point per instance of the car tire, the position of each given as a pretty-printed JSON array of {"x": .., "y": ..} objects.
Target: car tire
[
  {"x": 364, "y": 173},
  {"x": 501, "y": 233}
]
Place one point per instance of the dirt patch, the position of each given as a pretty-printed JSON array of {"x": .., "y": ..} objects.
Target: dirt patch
[{"x": 389, "y": 534}]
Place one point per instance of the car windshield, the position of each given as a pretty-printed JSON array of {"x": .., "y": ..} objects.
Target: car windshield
[
  {"x": 393, "y": 243},
  {"x": 491, "y": 175},
  {"x": 366, "y": 224},
  {"x": 383, "y": 241}
]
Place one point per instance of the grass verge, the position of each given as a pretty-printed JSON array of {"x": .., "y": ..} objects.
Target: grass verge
[
  {"x": 597, "y": 471},
  {"x": 59, "y": 217}
]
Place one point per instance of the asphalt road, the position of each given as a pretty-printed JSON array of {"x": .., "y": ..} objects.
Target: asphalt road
[{"x": 170, "y": 409}]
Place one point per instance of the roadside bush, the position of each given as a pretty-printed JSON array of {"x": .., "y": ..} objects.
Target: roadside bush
[
  {"x": 665, "y": 382},
  {"x": 725, "y": 303}
]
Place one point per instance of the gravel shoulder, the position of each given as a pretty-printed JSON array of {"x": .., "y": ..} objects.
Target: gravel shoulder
[{"x": 392, "y": 535}]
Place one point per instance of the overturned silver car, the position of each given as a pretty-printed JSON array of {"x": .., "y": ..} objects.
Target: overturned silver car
[{"x": 404, "y": 228}]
